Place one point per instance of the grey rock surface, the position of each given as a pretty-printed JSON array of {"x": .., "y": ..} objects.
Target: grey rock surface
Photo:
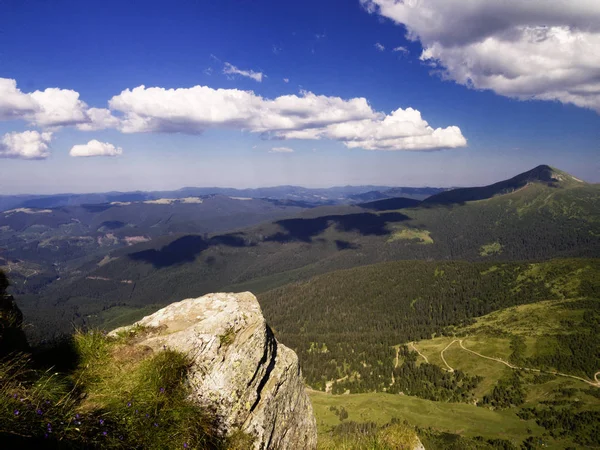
[{"x": 247, "y": 379}]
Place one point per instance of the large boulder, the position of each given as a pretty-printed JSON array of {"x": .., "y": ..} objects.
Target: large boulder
[{"x": 239, "y": 372}]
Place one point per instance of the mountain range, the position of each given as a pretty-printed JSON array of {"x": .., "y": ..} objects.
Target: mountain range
[{"x": 540, "y": 214}]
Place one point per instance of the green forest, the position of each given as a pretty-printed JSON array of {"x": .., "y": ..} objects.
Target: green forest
[{"x": 346, "y": 323}]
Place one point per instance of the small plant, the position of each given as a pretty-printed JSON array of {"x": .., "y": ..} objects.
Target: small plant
[{"x": 227, "y": 338}]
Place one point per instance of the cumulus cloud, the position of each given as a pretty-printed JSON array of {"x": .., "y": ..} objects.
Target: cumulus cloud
[
  {"x": 379, "y": 46},
  {"x": 99, "y": 119},
  {"x": 286, "y": 80},
  {"x": 58, "y": 107},
  {"x": 14, "y": 104},
  {"x": 50, "y": 108},
  {"x": 230, "y": 69},
  {"x": 543, "y": 50},
  {"x": 95, "y": 148},
  {"x": 281, "y": 150},
  {"x": 400, "y": 49},
  {"x": 25, "y": 145},
  {"x": 194, "y": 110},
  {"x": 304, "y": 116},
  {"x": 403, "y": 129}
]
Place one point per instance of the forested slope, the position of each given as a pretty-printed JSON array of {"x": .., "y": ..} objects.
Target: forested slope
[{"x": 346, "y": 323}]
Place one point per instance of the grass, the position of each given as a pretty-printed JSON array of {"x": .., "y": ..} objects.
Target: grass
[
  {"x": 423, "y": 236},
  {"x": 117, "y": 395},
  {"x": 369, "y": 436},
  {"x": 459, "y": 418}
]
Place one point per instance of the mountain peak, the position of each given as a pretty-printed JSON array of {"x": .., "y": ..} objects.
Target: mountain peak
[
  {"x": 543, "y": 174},
  {"x": 547, "y": 174}
]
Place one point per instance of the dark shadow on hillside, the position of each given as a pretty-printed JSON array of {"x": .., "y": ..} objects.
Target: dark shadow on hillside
[
  {"x": 112, "y": 224},
  {"x": 186, "y": 249},
  {"x": 366, "y": 224},
  {"x": 296, "y": 203},
  {"x": 390, "y": 204},
  {"x": 96, "y": 208},
  {"x": 345, "y": 245}
]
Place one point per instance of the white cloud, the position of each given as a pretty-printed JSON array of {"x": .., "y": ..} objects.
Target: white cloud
[
  {"x": 286, "y": 80},
  {"x": 196, "y": 109},
  {"x": 50, "y": 108},
  {"x": 14, "y": 104},
  {"x": 281, "y": 150},
  {"x": 99, "y": 119},
  {"x": 544, "y": 50},
  {"x": 403, "y": 129},
  {"x": 307, "y": 116},
  {"x": 379, "y": 46},
  {"x": 25, "y": 145},
  {"x": 58, "y": 107},
  {"x": 95, "y": 148},
  {"x": 230, "y": 69},
  {"x": 400, "y": 49}
]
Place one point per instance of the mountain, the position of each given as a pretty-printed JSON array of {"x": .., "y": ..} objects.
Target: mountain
[
  {"x": 40, "y": 245},
  {"x": 405, "y": 192},
  {"x": 309, "y": 197},
  {"x": 542, "y": 220},
  {"x": 543, "y": 174}
]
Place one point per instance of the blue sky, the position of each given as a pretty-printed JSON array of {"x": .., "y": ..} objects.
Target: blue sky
[{"x": 328, "y": 48}]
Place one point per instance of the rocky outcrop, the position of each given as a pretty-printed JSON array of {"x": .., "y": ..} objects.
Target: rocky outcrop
[
  {"x": 12, "y": 337},
  {"x": 248, "y": 380}
]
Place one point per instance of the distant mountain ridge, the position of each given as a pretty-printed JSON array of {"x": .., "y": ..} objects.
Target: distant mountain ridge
[
  {"x": 308, "y": 197},
  {"x": 542, "y": 174}
]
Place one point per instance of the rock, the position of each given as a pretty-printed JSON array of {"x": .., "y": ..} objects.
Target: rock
[
  {"x": 12, "y": 337},
  {"x": 239, "y": 372}
]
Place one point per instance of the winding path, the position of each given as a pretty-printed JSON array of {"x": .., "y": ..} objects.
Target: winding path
[
  {"x": 595, "y": 383},
  {"x": 450, "y": 369},
  {"x": 412, "y": 344}
]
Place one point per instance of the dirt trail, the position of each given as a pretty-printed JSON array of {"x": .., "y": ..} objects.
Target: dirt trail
[
  {"x": 412, "y": 344},
  {"x": 595, "y": 383},
  {"x": 450, "y": 369},
  {"x": 329, "y": 384}
]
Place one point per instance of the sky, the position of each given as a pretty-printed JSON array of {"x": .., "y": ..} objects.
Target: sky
[{"x": 144, "y": 95}]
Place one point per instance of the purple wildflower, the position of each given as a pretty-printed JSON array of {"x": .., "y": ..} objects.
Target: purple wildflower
[
  {"x": 185, "y": 445},
  {"x": 45, "y": 435},
  {"x": 128, "y": 404},
  {"x": 104, "y": 433},
  {"x": 14, "y": 395},
  {"x": 77, "y": 416},
  {"x": 155, "y": 424},
  {"x": 17, "y": 412},
  {"x": 101, "y": 421},
  {"x": 39, "y": 412},
  {"x": 162, "y": 390}
]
